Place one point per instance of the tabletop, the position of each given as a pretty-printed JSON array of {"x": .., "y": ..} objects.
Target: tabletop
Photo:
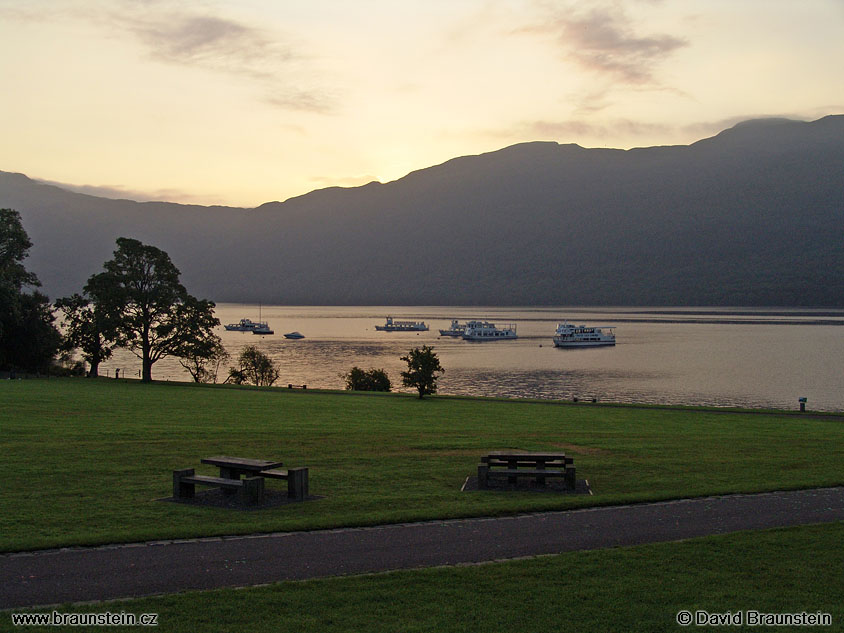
[{"x": 242, "y": 463}]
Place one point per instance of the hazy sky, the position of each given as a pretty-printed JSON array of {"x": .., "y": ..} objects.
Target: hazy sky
[{"x": 257, "y": 100}]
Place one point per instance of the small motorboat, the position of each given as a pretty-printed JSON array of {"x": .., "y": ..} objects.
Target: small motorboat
[{"x": 294, "y": 335}]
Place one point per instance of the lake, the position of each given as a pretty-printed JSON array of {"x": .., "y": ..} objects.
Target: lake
[{"x": 693, "y": 356}]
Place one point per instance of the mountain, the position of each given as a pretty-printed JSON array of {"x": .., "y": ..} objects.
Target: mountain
[{"x": 751, "y": 216}]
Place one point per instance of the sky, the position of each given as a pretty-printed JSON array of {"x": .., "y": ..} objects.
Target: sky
[{"x": 241, "y": 103}]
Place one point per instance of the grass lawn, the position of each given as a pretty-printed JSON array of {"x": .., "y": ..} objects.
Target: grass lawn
[
  {"x": 632, "y": 589},
  {"x": 83, "y": 461}
]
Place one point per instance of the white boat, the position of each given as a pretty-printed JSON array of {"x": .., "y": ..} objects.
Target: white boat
[
  {"x": 456, "y": 329},
  {"x": 402, "y": 326},
  {"x": 263, "y": 328},
  {"x": 294, "y": 335},
  {"x": 244, "y": 325},
  {"x": 568, "y": 335},
  {"x": 486, "y": 331}
]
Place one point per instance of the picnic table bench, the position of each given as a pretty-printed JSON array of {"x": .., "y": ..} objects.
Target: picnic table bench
[
  {"x": 539, "y": 466},
  {"x": 250, "y": 490}
]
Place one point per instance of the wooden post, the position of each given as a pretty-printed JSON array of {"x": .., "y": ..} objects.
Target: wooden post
[
  {"x": 253, "y": 490},
  {"x": 570, "y": 478},
  {"x": 483, "y": 472},
  {"x": 297, "y": 483},
  {"x": 182, "y": 490}
]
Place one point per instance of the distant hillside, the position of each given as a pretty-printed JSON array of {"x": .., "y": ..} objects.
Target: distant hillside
[{"x": 752, "y": 216}]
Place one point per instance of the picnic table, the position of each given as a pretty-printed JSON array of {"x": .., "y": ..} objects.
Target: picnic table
[
  {"x": 515, "y": 464},
  {"x": 251, "y": 487}
]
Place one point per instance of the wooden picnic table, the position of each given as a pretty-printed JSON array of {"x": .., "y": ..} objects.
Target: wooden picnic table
[
  {"x": 234, "y": 467},
  {"x": 514, "y": 464}
]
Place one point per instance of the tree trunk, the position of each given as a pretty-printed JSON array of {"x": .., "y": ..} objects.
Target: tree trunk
[
  {"x": 147, "y": 364},
  {"x": 95, "y": 370}
]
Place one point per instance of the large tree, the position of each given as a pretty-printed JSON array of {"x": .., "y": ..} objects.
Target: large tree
[
  {"x": 91, "y": 322},
  {"x": 28, "y": 338},
  {"x": 200, "y": 350},
  {"x": 156, "y": 315}
]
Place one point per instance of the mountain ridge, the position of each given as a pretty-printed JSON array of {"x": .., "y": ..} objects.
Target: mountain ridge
[{"x": 745, "y": 217}]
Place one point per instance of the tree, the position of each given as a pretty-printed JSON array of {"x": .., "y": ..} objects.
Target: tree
[
  {"x": 90, "y": 323},
  {"x": 200, "y": 351},
  {"x": 423, "y": 369},
  {"x": 255, "y": 367},
  {"x": 373, "y": 380},
  {"x": 28, "y": 338},
  {"x": 156, "y": 316}
]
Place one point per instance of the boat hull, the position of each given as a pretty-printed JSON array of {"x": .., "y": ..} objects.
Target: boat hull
[{"x": 570, "y": 344}]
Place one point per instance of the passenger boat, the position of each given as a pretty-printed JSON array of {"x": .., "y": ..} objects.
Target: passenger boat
[
  {"x": 456, "y": 329},
  {"x": 486, "y": 331},
  {"x": 294, "y": 335},
  {"x": 244, "y": 325},
  {"x": 568, "y": 335},
  {"x": 402, "y": 326}
]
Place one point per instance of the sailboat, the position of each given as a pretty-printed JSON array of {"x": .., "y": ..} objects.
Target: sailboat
[{"x": 261, "y": 327}]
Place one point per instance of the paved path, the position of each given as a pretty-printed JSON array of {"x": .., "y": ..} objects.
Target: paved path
[{"x": 83, "y": 574}]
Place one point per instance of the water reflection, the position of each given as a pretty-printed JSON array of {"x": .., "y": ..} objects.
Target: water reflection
[{"x": 714, "y": 357}]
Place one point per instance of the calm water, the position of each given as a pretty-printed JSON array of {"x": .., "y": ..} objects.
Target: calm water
[{"x": 721, "y": 357}]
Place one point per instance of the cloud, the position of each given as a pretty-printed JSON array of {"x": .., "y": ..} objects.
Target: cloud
[
  {"x": 207, "y": 41},
  {"x": 117, "y": 192},
  {"x": 225, "y": 45},
  {"x": 192, "y": 35},
  {"x": 603, "y": 40},
  {"x": 573, "y": 129}
]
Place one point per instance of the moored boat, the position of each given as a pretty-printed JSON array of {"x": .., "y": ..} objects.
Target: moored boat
[
  {"x": 263, "y": 328},
  {"x": 486, "y": 331},
  {"x": 294, "y": 335},
  {"x": 244, "y": 325},
  {"x": 568, "y": 335},
  {"x": 402, "y": 326},
  {"x": 456, "y": 329}
]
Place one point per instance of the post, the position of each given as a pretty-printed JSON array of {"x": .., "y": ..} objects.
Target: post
[
  {"x": 182, "y": 490},
  {"x": 253, "y": 490},
  {"x": 570, "y": 477},
  {"x": 483, "y": 472},
  {"x": 297, "y": 483},
  {"x": 802, "y": 402}
]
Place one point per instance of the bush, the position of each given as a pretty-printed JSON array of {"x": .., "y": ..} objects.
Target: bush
[
  {"x": 373, "y": 380},
  {"x": 255, "y": 367}
]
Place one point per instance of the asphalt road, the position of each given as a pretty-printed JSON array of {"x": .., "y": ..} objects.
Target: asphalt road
[{"x": 120, "y": 571}]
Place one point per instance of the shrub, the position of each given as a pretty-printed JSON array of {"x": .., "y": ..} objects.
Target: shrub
[{"x": 372, "y": 380}]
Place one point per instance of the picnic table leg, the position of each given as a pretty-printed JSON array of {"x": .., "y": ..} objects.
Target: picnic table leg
[
  {"x": 512, "y": 465},
  {"x": 483, "y": 471},
  {"x": 540, "y": 479},
  {"x": 571, "y": 481},
  {"x": 297, "y": 483},
  {"x": 227, "y": 472},
  {"x": 253, "y": 490},
  {"x": 182, "y": 490}
]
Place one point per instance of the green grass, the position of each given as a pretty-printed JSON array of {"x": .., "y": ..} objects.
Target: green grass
[
  {"x": 633, "y": 589},
  {"x": 82, "y": 461}
]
